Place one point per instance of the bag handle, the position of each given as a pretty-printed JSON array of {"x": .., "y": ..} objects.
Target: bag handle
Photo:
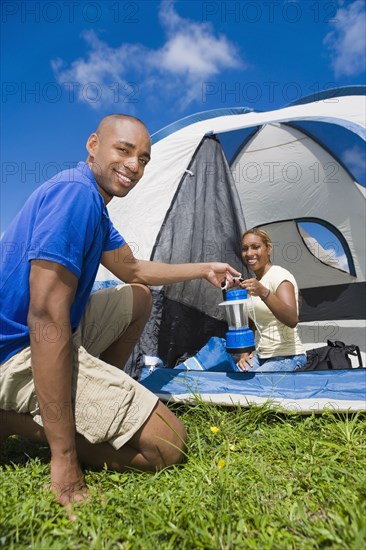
[
  {"x": 355, "y": 350},
  {"x": 336, "y": 344}
]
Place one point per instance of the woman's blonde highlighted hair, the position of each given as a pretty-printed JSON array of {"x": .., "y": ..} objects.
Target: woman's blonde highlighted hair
[{"x": 261, "y": 233}]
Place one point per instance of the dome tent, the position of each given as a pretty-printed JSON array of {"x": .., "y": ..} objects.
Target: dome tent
[{"x": 216, "y": 173}]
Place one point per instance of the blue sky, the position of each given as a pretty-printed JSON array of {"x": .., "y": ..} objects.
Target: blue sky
[{"x": 65, "y": 65}]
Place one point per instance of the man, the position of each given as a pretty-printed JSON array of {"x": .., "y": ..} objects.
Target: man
[{"x": 62, "y": 350}]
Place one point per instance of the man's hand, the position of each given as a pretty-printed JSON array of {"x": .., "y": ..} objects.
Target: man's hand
[
  {"x": 67, "y": 480},
  {"x": 219, "y": 272}
]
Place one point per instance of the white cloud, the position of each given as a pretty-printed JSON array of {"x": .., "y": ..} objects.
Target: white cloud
[
  {"x": 347, "y": 40},
  {"x": 343, "y": 262},
  {"x": 191, "y": 54},
  {"x": 103, "y": 73},
  {"x": 355, "y": 159},
  {"x": 192, "y": 48}
]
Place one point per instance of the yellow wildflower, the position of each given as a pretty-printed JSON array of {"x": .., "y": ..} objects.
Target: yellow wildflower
[
  {"x": 221, "y": 463},
  {"x": 214, "y": 429}
]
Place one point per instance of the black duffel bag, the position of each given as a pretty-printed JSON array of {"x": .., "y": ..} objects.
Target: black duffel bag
[{"x": 334, "y": 356}]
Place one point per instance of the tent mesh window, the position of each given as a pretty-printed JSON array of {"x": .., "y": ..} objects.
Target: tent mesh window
[{"x": 204, "y": 224}]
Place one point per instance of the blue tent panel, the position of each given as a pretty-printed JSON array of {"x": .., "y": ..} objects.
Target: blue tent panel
[
  {"x": 191, "y": 119},
  {"x": 323, "y": 95}
]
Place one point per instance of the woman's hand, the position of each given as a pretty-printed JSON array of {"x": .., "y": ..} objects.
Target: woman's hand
[
  {"x": 254, "y": 287},
  {"x": 244, "y": 362},
  {"x": 282, "y": 303}
]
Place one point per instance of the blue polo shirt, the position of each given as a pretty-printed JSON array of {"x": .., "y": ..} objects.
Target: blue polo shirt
[{"x": 64, "y": 221}]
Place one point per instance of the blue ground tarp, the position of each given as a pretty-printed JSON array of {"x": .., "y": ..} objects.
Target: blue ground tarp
[{"x": 342, "y": 390}]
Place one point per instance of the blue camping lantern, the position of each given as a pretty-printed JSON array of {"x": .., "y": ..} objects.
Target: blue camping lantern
[{"x": 239, "y": 337}]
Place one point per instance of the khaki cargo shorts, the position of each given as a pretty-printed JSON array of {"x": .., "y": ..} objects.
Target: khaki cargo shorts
[{"x": 108, "y": 404}]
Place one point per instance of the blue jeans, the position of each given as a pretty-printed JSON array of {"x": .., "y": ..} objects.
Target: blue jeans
[{"x": 279, "y": 363}]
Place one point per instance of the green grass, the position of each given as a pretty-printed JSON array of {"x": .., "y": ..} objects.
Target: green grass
[{"x": 264, "y": 480}]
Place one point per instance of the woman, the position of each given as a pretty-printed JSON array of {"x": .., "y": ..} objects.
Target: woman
[{"x": 274, "y": 309}]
